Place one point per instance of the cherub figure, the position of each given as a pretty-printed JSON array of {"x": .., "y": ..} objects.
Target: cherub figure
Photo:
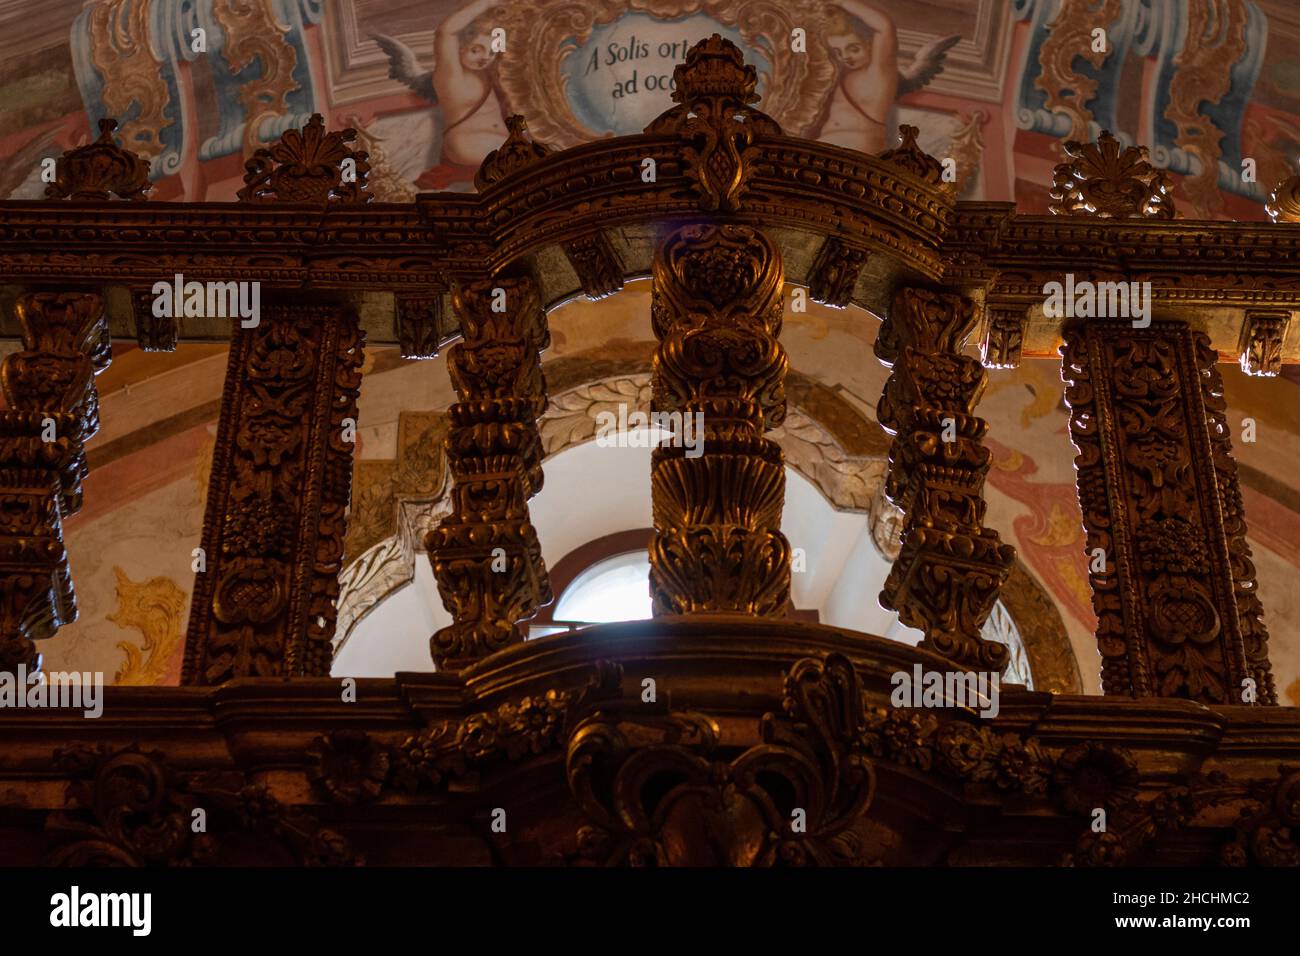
[
  {"x": 856, "y": 114},
  {"x": 463, "y": 84}
]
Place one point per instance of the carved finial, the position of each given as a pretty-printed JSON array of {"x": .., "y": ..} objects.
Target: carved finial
[
  {"x": 308, "y": 165},
  {"x": 518, "y": 151},
  {"x": 714, "y": 90},
  {"x": 1284, "y": 204},
  {"x": 99, "y": 170},
  {"x": 1107, "y": 180},
  {"x": 911, "y": 157}
]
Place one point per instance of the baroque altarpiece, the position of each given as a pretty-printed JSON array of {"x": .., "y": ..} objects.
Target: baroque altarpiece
[{"x": 760, "y": 719}]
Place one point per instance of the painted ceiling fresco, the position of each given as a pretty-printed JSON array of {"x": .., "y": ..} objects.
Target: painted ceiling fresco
[{"x": 1211, "y": 86}]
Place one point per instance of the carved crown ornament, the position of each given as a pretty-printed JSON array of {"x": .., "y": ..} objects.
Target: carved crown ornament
[
  {"x": 308, "y": 165},
  {"x": 100, "y": 170},
  {"x": 1109, "y": 180}
]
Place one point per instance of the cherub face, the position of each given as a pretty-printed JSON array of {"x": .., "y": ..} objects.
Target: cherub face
[
  {"x": 850, "y": 50},
  {"x": 476, "y": 52}
]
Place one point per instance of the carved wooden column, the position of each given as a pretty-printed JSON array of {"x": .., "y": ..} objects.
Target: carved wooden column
[
  {"x": 281, "y": 482},
  {"x": 716, "y": 310},
  {"x": 485, "y": 554},
  {"x": 717, "y": 307},
  {"x": 53, "y": 408},
  {"x": 1176, "y": 603},
  {"x": 950, "y": 567}
]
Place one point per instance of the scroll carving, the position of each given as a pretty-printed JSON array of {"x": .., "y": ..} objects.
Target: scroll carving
[
  {"x": 950, "y": 567},
  {"x": 1004, "y": 335},
  {"x": 1176, "y": 609},
  {"x": 714, "y": 90},
  {"x": 716, "y": 310},
  {"x": 485, "y": 554},
  {"x": 308, "y": 166},
  {"x": 597, "y": 264},
  {"x": 100, "y": 170},
  {"x": 53, "y": 409},
  {"x": 713, "y": 812},
  {"x": 1261, "y": 342},
  {"x": 835, "y": 272},
  {"x": 153, "y": 333},
  {"x": 419, "y": 322},
  {"x": 277, "y": 502},
  {"x": 1110, "y": 181}
]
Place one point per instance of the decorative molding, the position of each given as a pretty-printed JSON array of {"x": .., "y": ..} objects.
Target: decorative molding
[{"x": 127, "y": 807}]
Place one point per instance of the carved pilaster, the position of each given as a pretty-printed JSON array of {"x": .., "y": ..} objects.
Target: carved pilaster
[
  {"x": 1004, "y": 335},
  {"x": 834, "y": 272},
  {"x": 716, "y": 310},
  {"x": 418, "y": 322},
  {"x": 950, "y": 567},
  {"x": 1176, "y": 608},
  {"x": 1250, "y": 610},
  {"x": 597, "y": 264},
  {"x": 277, "y": 500},
  {"x": 485, "y": 554},
  {"x": 53, "y": 409},
  {"x": 1261, "y": 342}
]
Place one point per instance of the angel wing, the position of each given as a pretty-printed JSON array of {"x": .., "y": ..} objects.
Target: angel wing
[
  {"x": 926, "y": 65},
  {"x": 402, "y": 65}
]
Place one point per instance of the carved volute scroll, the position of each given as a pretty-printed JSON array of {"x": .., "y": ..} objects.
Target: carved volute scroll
[
  {"x": 485, "y": 554},
  {"x": 53, "y": 409},
  {"x": 715, "y": 90},
  {"x": 716, "y": 310},
  {"x": 1111, "y": 181},
  {"x": 100, "y": 170},
  {"x": 1176, "y": 605},
  {"x": 281, "y": 482},
  {"x": 835, "y": 272},
  {"x": 950, "y": 567},
  {"x": 308, "y": 165}
]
